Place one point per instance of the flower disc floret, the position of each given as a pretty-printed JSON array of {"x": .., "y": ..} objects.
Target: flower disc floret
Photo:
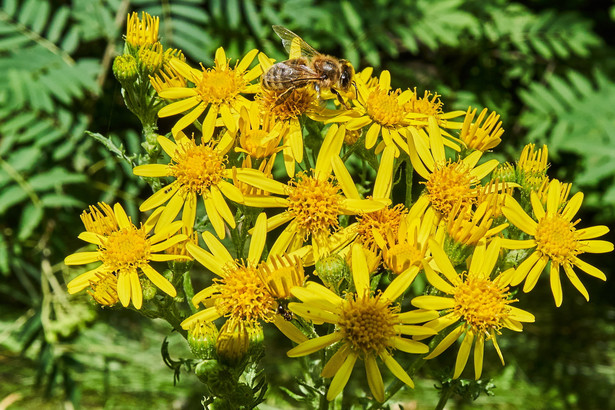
[
  {"x": 482, "y": 304},
  {"x": 449, "y": 185},
  {"x": 367, "y": 324},
  {"x": 315, "y": 204},
  {"x": 198, "y": 167},
  {"x": 126, "y": 249},
  {"x": 556, "y": 238},
  {"x": 243, "y": 295},
  {"x": 384, "y": 107},
  {"x": 218, "y": 85},
  {"x": 288, "y": 106}
]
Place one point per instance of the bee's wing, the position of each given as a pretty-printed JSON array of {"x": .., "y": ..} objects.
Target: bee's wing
[{"x": 288, "y": 38}]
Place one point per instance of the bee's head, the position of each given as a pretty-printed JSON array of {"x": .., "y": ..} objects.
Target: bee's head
[{"x": 346, "y": 76}]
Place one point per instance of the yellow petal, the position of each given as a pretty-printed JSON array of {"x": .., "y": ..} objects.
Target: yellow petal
[
  {"x": 209, "y": 123},
  {"x": 446, "y": 342},
  {"x": 589, "y": 269},
  {"x": 313, "y": 345},
  {"x": 479, "y": 350},
  {"x": 206, "y": 259},
  {"x": 430, "y": 302},
  {"x": 151, "y": 170},
  {"x": 344, "y": 179},
  {"x": 311, "y": 312},
  {"x": 222, "y": 206},
  {"x": 174, "y": 206},
  {"x": 464, "y": 353},
  {"x": 335, "y": 362},
  {"x": 374, "y": 378},
  {"x": 82, "y": 281},
  {"x": 417, "y": 316},
  {"x": 556, "y": 284},
  {"x": 360, "y": 272},
  {"x": 258, "y": 239},
  {"x": 396, "y": 368},
  {"x": 179, "y": 107},
  {"x": 372, "y": 135},
  {"x": 82, "y": 258},
  {"x": 574, "y": 279},
  {"x": 159, "y": 281},
  {"x": 341, "y": 377},
  {"x": 289, "y": 330},
  {"x": 207, "y": 315},
  {"x": 231, "y": 191},
  {"x": 408, "y": 346},
  {"x": 123, "y": 288},
  {"x": 189, "y": 213},
  {"x": 120, "y": 215},
  {"x": 214, "y": 217},
  {"x": 159, "y": 197},
  {"x": 135, "y": 290}
]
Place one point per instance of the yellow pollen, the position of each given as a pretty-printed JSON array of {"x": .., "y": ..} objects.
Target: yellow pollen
[
  {"x": 243, "y": 296},
  {"x": 384, "y": 221},
  {"x": 292, "y": 104},
  {"x": 482, "y": 305},
  {"x": 198, "y": 167},
  {"x": 384, "y": 108},
  {"x": 367, "y": 324},
  {"x": 449, "y": 185},
  {"x": 556, "y": 237},
  {"x": 219, "y": 85},
  {"x": 126, "y": 249},
  {"x": 315, "y": 204}
]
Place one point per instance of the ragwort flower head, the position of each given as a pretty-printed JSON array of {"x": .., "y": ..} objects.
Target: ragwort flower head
[
  {"x": 218, "y": 90},
  {"x": 367, "y": 326},
  {"x": 125, "y": 251},
  {"x": 141, "y": 31},
  {"x": 476, "y": 305},
  {"x": 555, "y": 240},
  {"x": 198, "y": 170},
  {"x": 242, "y": 290},
  {"x": 314, "y": 200}
]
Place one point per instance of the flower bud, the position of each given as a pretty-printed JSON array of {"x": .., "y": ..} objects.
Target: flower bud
[
  {"x": 332, "y": 270},
  {"x": 202, "y": 338},
  {"x": 125, "y": 68}
]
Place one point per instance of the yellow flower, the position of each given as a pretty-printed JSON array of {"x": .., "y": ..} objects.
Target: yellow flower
[
  {"x": 532, "y": 167},
  {"x": 199, "y": 170},
  {"x": 141, "y": 32},
  {"x": 314, "y": 200},
  {"x": 256, "y": 140},
  {"x": 405, "y": 250},
  {"x": 467, "y": 226},
  {"x": 392, "y": 114},
  {"x": 242, "y": 290},
  {"x": 477, "y": 305},
  {"x": 448, "y": 182},
  {"x": 554, "y": 240},
  {"x": 483, "y": 136},
  {"x": 367, "y": 326},
  {"x": 124, "y": 250},
  {"x": 218, "y": 88}
]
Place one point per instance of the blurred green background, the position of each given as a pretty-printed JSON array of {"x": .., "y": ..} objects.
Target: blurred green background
[{"x": 547, "y": 67}]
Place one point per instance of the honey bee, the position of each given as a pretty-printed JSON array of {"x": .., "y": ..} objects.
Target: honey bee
[{"x": 312, "y": 67}]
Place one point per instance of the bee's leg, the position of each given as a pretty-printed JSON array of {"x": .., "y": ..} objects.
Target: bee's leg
[
  {"x": 339, "y": 97},
  {"x": 279, "y": 100}
]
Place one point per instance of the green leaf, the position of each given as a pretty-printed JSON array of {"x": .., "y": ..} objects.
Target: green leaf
[
  {"x": 30, "y": 218},
  {"x": 55, "y": 177},
  {"x": 59, "y": 200}
]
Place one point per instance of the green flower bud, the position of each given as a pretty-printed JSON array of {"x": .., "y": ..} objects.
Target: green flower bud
[
  {"x": 125, "y": 68},
  {"x": 332, "y": 270},
  {"x": 217, "y": 376},
  {"x": 202, "y": 339}
]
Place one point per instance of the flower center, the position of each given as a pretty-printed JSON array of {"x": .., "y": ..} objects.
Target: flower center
[
  {"x": 482, "y": 305},
  {"x": 367, "y": 323},
  {"x": 315, "y": 204},
  {"x": 384, "y": 108},
  {"x": 244, "y": 296},
  {"x": 219, "y": 85},
  {"x": 449, "y": 185},
  {"x": 197, "y": 167},
  {"x": 289, "y": 105},
  {"x": 556, "y": 237},
  {"x": 385, "y": 221},
  {"x": 126, "y": 249}
]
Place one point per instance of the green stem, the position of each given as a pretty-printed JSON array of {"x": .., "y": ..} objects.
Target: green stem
[
  {"x": 445, "y": 394},
  {"x": 409, "y": 174}
]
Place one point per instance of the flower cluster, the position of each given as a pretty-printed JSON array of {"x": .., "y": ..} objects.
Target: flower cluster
[{"x": 477, "y": 230}]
